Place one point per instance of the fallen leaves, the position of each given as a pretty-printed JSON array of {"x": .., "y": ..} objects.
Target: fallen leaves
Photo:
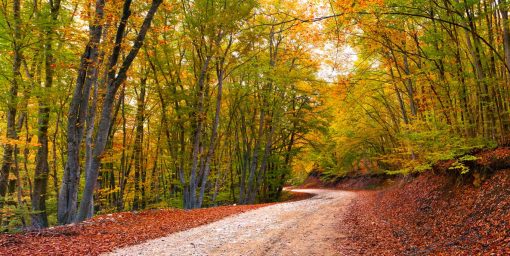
[
  {"x": 432, "y": 214},
  {"x": 104, "y": 233}
]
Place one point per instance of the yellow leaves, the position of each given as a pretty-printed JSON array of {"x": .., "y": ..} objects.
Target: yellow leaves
[
  {"x": 304, "y": 86},
  {"x": 18, "y": 142},
  {"x": 185, "y": 75},
  {"x": 162, "y": 29},
  {"x": 352, "y": 6},
  {"x": 107, "y": 191},
  {"x": 167, "y": 6}
]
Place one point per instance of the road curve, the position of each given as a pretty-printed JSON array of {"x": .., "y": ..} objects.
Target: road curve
[{"x": 307, "y": 227}]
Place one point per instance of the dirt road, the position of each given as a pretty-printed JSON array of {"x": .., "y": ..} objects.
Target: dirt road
[{"x": 307, "y": 227}]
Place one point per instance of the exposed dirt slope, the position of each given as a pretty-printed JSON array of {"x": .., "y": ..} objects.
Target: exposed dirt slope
[{"x": 360, "y": 182}]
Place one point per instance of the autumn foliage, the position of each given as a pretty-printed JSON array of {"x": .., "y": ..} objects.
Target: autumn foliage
[{"x": 111, "y": 106}]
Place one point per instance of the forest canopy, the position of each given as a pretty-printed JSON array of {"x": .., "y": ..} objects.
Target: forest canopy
[{"x": 126, "y": 105}]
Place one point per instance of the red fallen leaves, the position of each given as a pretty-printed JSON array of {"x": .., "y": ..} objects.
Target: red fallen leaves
[
  {"x": 431, "y": 214},
  {"x": 104, "y": 233},
  {"x": 485, "y": 158}
]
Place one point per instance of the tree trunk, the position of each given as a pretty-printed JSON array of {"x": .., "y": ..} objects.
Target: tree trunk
[
  {"x": 214, "y": 133},
  {"x": 137, "y": 148},
  {"x": 199, "y": 115},
  {"x": 114, "y": 82},
  {"x": 7, "y": 159},
  {"x": 503, "y": 8},
  {"x": 39, "y": 214},
  {"x": 68, "y": 195}
]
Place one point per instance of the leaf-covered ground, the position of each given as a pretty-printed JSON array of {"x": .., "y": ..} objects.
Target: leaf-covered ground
[
  {"x": 104, "y": 233},
  {"x": 107, "y": 232},
  {"x": 435, "y": 214}
]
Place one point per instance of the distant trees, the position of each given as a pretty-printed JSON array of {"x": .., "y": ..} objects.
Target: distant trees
[
  {"x": 226, "y": 104},
  {"x": 432, "y": 81}
]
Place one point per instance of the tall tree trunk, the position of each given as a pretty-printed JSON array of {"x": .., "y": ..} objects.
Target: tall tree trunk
[
  {"x": 39, "y": 215},
  {"x": 191, "y": 201},
  {"x": 214, "y": 133},
  {"x": 113, "y": 83},
  {"x": 68, "y": 195},
  {"x": 7, "y": 159},
  {"x": 123, "y": 160},
  {"x": 137, "y": 147},
  {"x": 252, "y": 178},
  {"x": 265, "y": 158},
  {"x": 503, "y": 9}
]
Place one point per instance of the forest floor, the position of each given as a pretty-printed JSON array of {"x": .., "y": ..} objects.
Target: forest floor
[
  {"x": 105, "y": 233},
  {"x": 434, "y": 213},
  {"x": 431, "y": 215}
]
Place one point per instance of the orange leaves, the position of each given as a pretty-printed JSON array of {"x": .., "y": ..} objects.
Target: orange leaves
[
  {"x": 104, "y": 233},
  {"x": 353, "y": 6},
  {"x": 19, "y": 143},
  {"x": 434, "y": 216}
]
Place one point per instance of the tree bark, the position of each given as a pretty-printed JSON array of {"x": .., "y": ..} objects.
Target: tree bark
[
  {"x": 113, "y": 84},
  {"x": 191, "y": 200},
  {"x": 68, "y": 195},
  {"x": 7, "y": 159},
  {"x": 137, "y": 147},
  {"x": 214, "y": 133},
  {"x": 39, "y": 214}
]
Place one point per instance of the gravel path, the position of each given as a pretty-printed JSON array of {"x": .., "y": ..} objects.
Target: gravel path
[{"x": 307, "y": 227}]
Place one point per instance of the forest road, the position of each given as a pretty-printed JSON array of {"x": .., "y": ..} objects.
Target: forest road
[{"x": 306, "y": 227}]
